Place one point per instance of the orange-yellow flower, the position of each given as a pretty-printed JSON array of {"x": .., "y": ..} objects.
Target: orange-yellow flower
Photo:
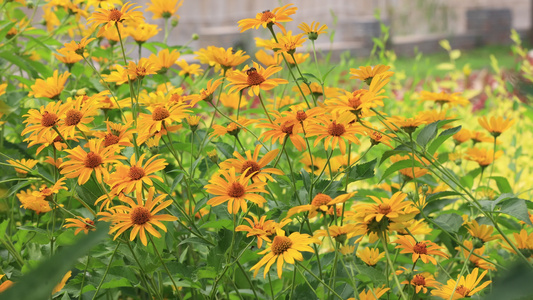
[
  {"x": 22, "y": 166},
  {"x": 140, "y": 216},
  {"x": 367, "y": 73},
  {"x": 422, "y": 281},
  {"x": 164, "y": 8},
  {"x": 370, "y": 256},
  {"x": 78, "y": 48},
  {"x": 142, "y": 32},
  {"x": 269, "y": 18},
  {"x": 51, "y": 87},
  {"x": 78, "y": 114},
  {"x": 129, "y": 178},
  {"x": 320, "y": 203},
  {"x": 164, "y": 59},
  {"x": 252, "y": 165},
  {"x": 40, "y": 122},
  {"x": 482, "y": 156},
  {"x": 235, "y": 190},
  {"x": 282, "y": 128},
  {"x": 421, "y": 250},
  {"x": 463, "y": 287},
  {"x": 150, "y": 124},
  {"x": 109, "y": 17},
  {"x": 313, "y": 30},
  {"x": 81, "y": 224},
  {"x": 82, "y": 164},
  {"x": 288, "y": 42},
  {"x": 334, "y": 129},
  {"x": 256, "y": 78},
  {"x": 496, "y": 125},
  {"x": 444, "y": 98},
  {"x": 284, "y": 249}
]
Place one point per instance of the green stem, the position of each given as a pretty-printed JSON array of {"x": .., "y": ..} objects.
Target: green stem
[
  {"x": 319, "y": 280},
  {"x": 106, "y": 271},
  {"x": 165, "y": 267},
  {"x": 391, "y": 266}
]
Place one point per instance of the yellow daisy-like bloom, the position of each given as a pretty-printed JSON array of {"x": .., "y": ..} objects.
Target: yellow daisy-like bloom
[
  {"x": 252, "y": 165},
  {"x": 370, "y": 256},
  {"x": 141, "y": 69},
  {"x": 261, "y": 228},
  {"x": 339, "y": 233},
  {"x": 444, "y": 98},
  {"x": 22, "y": 165},
  {"x": 366, "y": 73},
  {"x": 482, "y": 232},
  {"x": 421, "y": 250},
  {"x": 299, "y": 58},
  {"x": 109, "y": 17},
  {"x": 496, "y": 125},
  {"x": 68, "y": 57},
  {"x": 479, "y": 137},
  {"x": 129, "y": 178},
  {"x": 422, "y": 281},
  {"x": 284, "y": 249},
  {"x": 235, "y": 190},
  {"x": 314, "y": 165},
  {"x": 227, "y": 58},
  {"x": 372, "y": 294},
  {"x": 40, "y": 122},
  {"x": 78, "y": 48},
  {"x": 82, "y": 164},
  {"x": 464, "y": 287},
  {"x": 232, "y": 128},
  {"x": 51, "y": 87},
  {"x": 268, "y": 60},
  {"x": 281, "y": 128},
  {"x": 334, "y": 130},
  {"x": 524, "y": 243},
  {"x": 164, "y": 8},
  {"x": 256, "y": 78},
  {"x": 81, "y": 224},
  {"x": 189, "y": 70},
  {"x": 116, "y": 134},
  {"x": 140, "y": 216},
  {"x": 78, "y": 113},
  {"x": 288, "y": 42},
  {"x": 313, "y": 30},
  {"x": 482, "y": 156},
  {"x": 321, "y": 202},
  {"x": 164, "y": 59},
  {"x": 393, "y": 208},
  {"x": 207, "y": 93},
  {"x": 30, "y": 201},
  {"x": 143, "y": 32},
  {"x": 119, "y": 75},
  {"x": 149, "y": 124},
  {"x": 269, "y": 18},
  {"x": 463, "y": 135},
  {"x": 409, "y": 125}
]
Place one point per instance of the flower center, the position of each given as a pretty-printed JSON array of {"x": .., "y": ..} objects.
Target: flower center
[
  {"x": 160, "y": 113},
  {"x": 252, "y": 167},
  {"x": 335, "y": 129},
  {"x": 92, "y": 160},
  {"x": 175, "y": 98},
  {"x": 110, "y": 139},
  {"x": 355, "y": 101},
  {"x": 254, "y": 78},
  {"x": 236, "y": 190},
  {"x": 320, "y": 199},
  {"x": 267, "y": 16},
  {"x": 114, "y": 15},
  {"x": 462, "y": 290},
  {"x": 73, "y": 117},
  {"x": 140, "y": 215},
  {"x": 280, "y": 245},
  {"x": 419, "y": 280},
  {"x": 136, "y": 173},
  {"x": 49, "y": 119},
  {"x": 420, "y": 248},
  {"x": 89, "y": 223},
  {"x": 384, "y": 208},
  {"x": 287, "y": 127},
  {"x": 301, "y": 115}
]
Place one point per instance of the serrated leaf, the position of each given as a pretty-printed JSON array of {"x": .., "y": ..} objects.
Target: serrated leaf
[
  {"x": 115, "y": 283},
  {"x": 362, "y": 171},
  {"x": 427, "y": 134},
  {"x": 443, "y": 136},
  {"x": 400, "y": 165},
  {"x": 516, "y": 208},
  {"x": 449, "y": 222},
  {"x": 503, "y": 184},
  {"x": 306, "y": 179}
]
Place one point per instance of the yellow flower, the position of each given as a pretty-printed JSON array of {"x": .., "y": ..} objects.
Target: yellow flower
[
  {"x": 284, "y": 249},
  {"x": 141, "y": 32},
  {"x": 335, "y": 129},
  {"x": 475, "y": 259},
  {"x": 268, "y": 60},
  {"x": 321, "y": 202},
  {"x": 227, "y": 58},
  {"x": 40, "y": 122},
  {"x": 109, "y": 17},
  {"x": 126, "y": 179},
  {"x": 496, "y": 125},
  {"x": 464, "y": 135},
  {"x": 164, "y": 59},
  {"x": 51, "y": 87},
  {"x": 188, "y": 70},
  {"x": 232, "y": 100},
  {"x": 68, "y": 57},
  {"x": 422, "y": 281},
  {"x": 463, "y": 287},
  {"x": 372, "y": 294},
  {"x": 366, "y": 74},
  {"x": 256, "y": 78},
  {"x": 61, "y": 284},
  {"x": 107, "y": 4},
  {"x": 269, "y": 18},
  {"x": 140, "y": 216},
  {"x": 313, "y": 30},
  {"x": 421, "y": 250},
  {"x": 370, "y": 256},
  {"x": 261, "y": 229},
  {"x": 288, "y": 42},
  {"x": 22, "y": 165},
  {"x": 150, "y": 124},
  {"x": 482, "y": 232},
  {"x": 78, "y": 114},
  {"x": 164, "y": 8},
  {"x": 141, "y": 69},
  {"x": 252, "y": 165},
  {"x": 444, "y": 98},
  {"x": 482, "y": 156},
  {"x": 234, "y": 190},
  {"x": 80, "y": 224}
]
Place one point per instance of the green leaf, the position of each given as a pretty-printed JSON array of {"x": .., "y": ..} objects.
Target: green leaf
[
  {"x": 17, "y": 61},
  {"x": 374, "y": 275},
  {"x": 503, "y": 184},
  {"x": 39, "y": 283},
  {"x": 449, "y": 222},
  {"x": 327, "y": 73},
  {"x": 516, "y": 208},
  {"x": 427, "y": 134},
  {"x": 443, "y": 136},
  {"x": 362, "y": 171},
  {"x": 115, "y": 283},
  {"x": 400, "y": 165}
]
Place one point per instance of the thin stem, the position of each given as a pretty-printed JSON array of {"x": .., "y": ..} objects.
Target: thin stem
[
  {"x": 165, "y": 266},
  {"x": 319, "y": 280},
  {"x": 106, "y": 271},
  {"x": 384, "y": 242}
]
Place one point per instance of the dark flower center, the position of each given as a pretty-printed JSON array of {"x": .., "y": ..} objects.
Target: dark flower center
[
  {"x": 92, "y": 160},
  {"x": 252, "y": 167},
  {"x": 419, "y": 280},
  {"x": 335, "y": 129},
  {"x": 420, "y": 248},
  {"x": 301, "y": 115},
  {"x": 384, "y": 208},
  {"x": 320, "y": 199},
  {"x": 254, "y": 78},
  {"x": 136, "y": 173},
  {"x": 49, "y": 119},
  {"x": 140, "y": 215},
  {"x": 115, "y": 15},
  {"x": 160, "y": 113},
  {"x": 287, "y": 127},
  {"x": 267, "y": 15},
  {"x": 110, "y": 139},
  {"x": 280, "y": 245},
  {"x": 236, "y": 190},
  {"x": 73, "y": 117}
]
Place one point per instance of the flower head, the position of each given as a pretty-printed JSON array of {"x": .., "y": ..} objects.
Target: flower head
[
  {"x": 313, "y": 30},
  {"x": 421, "y": 250},
  {"x": 370, "y": 256},
  {"x": 256, "y": 78},
  {"x": 109, "y": 17},
  {"x": 482, "y": 156},
  {"x": 164, "y": 8},
  {"x": 463, "y": 287},
  {"x": 129, "y": 178},
  {"x": 444, "y": 98},
  {"x": 81, "y": 224},
  {"x": 51, "y": 87},
  {"x": 367, "y": 73},
  {"x": 496, "y": 125},
  {"x": 252, "y": 165},
  {"x": 269, "y": 18}
]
